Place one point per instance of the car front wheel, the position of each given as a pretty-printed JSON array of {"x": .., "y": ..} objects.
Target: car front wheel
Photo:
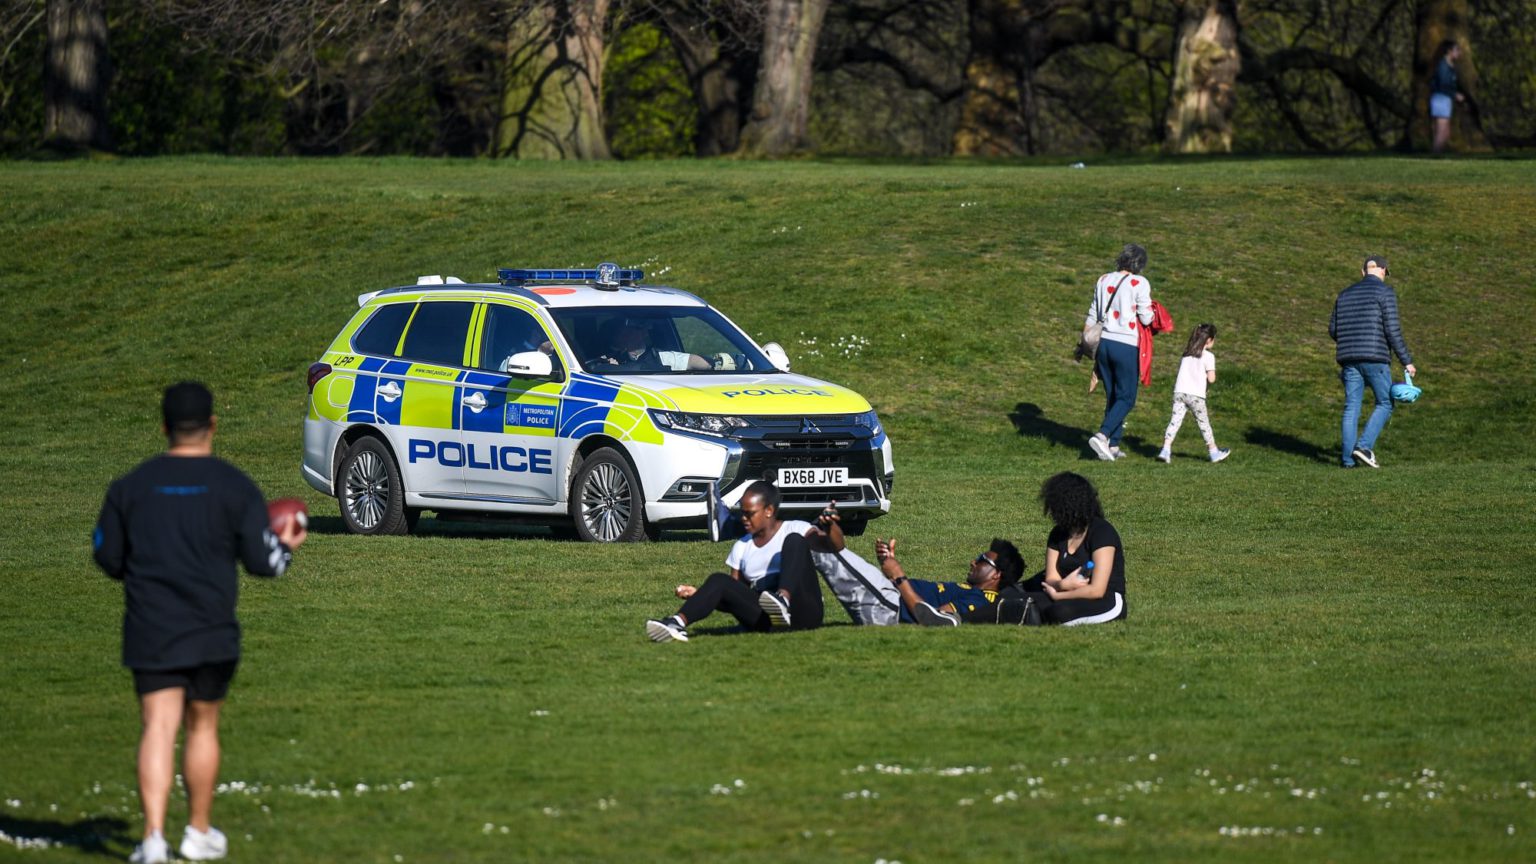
[
  {"x": 606, "y": 503},
  {"x": 372, "y": 497}
]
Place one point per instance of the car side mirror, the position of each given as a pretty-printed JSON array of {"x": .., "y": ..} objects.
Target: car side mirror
[
  {"x": 530, "y": 364},
  {"x": 775, "y": 354}
]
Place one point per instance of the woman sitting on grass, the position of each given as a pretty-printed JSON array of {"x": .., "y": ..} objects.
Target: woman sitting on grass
[{"x": 1080, "y": 594}]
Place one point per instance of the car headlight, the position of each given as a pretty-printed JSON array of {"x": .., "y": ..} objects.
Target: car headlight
[
  {"x": 720, "y": 425},
  {"x": 869, "y": 421}
]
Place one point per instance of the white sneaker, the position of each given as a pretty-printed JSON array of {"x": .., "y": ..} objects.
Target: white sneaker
[
  {"x": 1220, "y": 454},
  {"x": 204, "y": 845},
  {"x": 1099, "y": 444},
  {"x": 154, "y": 850},
  {"x": 1164, "y": 456}
]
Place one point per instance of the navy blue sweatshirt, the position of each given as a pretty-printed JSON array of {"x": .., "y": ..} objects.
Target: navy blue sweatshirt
[
  {"x": 1364, "y": 324},
  {"x": 171, "y": 531}
]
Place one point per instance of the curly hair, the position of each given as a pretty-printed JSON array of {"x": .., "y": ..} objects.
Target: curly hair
[
  {"x": 1132, "y": 259},
  {"x": 1010, "y": 564},
  {"x": 1070, "y": 501}
]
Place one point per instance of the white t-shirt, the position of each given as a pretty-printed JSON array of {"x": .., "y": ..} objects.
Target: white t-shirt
[
  {"x": 1192, "y": 374},
  {"x": 758, "y": 563}
]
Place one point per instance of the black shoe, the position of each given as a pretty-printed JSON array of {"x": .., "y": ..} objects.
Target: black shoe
[
  {"x": 668, "y": 629},
  {"x": 928, "y": 616},
  {"x": 1363, "y": 455},
  {"x": 775, "y": 606}
]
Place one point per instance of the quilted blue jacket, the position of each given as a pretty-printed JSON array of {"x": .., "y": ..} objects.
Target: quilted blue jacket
[{"x": 1364, "y": 324}]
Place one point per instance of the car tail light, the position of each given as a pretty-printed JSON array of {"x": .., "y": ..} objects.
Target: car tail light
[{"x": 316, "y": 372}]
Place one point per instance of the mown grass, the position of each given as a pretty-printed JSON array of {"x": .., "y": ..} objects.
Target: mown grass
[{"x": 1326, "y": 665}]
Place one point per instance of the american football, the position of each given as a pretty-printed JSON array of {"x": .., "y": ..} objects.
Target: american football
[{"x": 283, "y": 509}]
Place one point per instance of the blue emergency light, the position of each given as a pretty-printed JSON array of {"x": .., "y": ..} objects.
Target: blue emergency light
[{"x": 605, "y": 276}]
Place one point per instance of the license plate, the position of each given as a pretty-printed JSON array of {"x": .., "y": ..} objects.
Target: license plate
[{"x": 790, "y": 477}]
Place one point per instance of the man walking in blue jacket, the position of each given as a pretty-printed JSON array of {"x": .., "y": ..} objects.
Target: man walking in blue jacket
[{"x": 1365, "y": 326}]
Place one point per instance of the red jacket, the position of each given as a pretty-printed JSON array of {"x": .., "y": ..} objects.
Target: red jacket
[{"x": 1162, "y": 322}]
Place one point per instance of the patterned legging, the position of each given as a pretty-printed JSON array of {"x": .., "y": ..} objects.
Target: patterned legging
[{"x": 1184, "y": 402}]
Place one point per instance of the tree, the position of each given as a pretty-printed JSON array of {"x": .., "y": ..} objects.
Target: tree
[
  {"x": 76, "y": 75},
  {"x": 781, "y": 99},
  {"x": 1205, "y": 78},
  {"x": 717, "y": 43},
  {"x": 552, "y": 101}
]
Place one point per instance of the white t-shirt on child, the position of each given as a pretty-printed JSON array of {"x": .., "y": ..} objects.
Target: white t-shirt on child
[
  {"x": 758, "y": 563},
  {"x": 1192, "y": 374}
]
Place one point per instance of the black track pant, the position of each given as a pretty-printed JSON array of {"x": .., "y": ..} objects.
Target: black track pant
[{"x": 797, "y": 575}]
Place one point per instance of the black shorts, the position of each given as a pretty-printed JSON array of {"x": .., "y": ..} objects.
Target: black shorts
[{"x": 206, "y": 683}]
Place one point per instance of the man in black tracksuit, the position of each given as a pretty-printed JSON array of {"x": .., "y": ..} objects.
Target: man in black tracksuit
[
  {"x": 1364, "y": 323},
  {"x": 171, "y": 531}
]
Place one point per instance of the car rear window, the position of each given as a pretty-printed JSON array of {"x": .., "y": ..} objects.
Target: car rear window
[
  {"x": 437, "y": 334},
  {"x": 382, "y": 332}
]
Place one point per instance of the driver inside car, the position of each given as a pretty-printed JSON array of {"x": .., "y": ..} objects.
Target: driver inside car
[{"x": 630, "y": 350}]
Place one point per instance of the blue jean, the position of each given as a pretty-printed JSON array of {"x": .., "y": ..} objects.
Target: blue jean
[
  {"x": 1355, "y": 377},
  {"x": 1119, "y": 368}
]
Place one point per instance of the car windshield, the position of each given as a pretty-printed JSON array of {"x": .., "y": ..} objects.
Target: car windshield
[{"x": 658, "y": 340}]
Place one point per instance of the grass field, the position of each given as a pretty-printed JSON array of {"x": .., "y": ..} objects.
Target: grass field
[{"x": 1320, "y": 665}]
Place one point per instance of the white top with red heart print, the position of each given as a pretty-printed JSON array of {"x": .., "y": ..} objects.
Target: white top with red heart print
[{"x": 1123, "y": 308}]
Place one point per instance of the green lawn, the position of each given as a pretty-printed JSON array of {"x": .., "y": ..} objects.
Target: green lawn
[{"x": 1319, "y": 664}]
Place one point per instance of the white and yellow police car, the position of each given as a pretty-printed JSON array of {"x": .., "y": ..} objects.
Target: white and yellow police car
[{"x": 575, "y": 396}]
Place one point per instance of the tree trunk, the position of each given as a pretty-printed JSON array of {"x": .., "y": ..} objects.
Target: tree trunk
[
  {"x": 552, "y": 96},
  {"x": 76, "y": 75},
  {"x": 717, "y": 77},
  {"x": 1435, "y": 21},
  {"x": 1204, "y": 92},
  {"x": 781, "y": 101},
  {"x": 993, "y": 111}
]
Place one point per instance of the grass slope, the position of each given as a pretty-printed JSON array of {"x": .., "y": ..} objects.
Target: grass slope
[{"x": 1319, "y": 664}]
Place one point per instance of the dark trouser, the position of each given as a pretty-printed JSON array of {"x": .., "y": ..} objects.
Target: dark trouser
[
  {"x": 1119, "y": 368},
  {"x": 797, "y": 575}
]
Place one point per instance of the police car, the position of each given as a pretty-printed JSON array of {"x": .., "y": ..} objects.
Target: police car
[{"x": 575, "y": 397}]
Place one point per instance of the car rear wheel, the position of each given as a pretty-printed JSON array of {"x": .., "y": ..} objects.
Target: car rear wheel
[
  {"x": 372, "y": 497},
  {"x": 606, "y": 503}
]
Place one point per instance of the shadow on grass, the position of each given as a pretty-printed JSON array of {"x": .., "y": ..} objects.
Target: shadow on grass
[
  {"x": 734, "y": 629},
  {"x": 1030, "y": 421},
  {"x": 92, "y": 835},
  {"x": 1284, "y": 443},
  {"x": 497, "y": 529}
]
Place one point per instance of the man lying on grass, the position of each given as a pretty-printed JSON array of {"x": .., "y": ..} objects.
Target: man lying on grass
[
  {"x": 944, "y": 604},
  {"x": 772, "y": 580}
]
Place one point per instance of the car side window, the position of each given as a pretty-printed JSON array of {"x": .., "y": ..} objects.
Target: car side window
[
  {"x": 381, "y": 334},
  {"x": 436, "y": 334},
  {"x": 509, "y": 331}
]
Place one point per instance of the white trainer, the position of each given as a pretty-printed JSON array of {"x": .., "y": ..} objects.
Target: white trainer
[
  {"x": 154, "y": 850},
  {"x": 207, "y": 845},
  {"x": 1099, "y": 444}
]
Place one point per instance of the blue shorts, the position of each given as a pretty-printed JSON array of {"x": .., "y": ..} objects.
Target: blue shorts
[{"x": 1440, "y": 106}]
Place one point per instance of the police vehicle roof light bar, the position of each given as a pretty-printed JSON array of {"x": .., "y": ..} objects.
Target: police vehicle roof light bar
[{"x": 605, "y": 276}]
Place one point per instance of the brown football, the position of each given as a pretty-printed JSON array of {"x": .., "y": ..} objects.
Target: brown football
[{"x": 283, "y": 509}]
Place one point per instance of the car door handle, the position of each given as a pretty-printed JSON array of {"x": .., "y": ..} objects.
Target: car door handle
[
  {"x": 474, "y": 401},
  {"x": 390, "y": 391}
]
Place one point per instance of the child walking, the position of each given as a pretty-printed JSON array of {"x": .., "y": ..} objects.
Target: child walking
[{"x": 1196, "y": 369}]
